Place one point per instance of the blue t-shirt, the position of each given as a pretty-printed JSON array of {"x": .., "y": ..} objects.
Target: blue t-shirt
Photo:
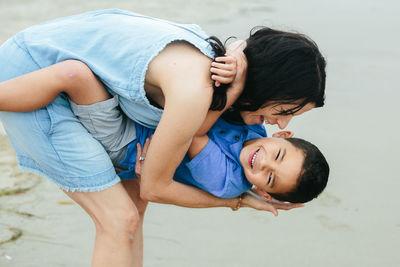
[{"x": 216, "y": 169}]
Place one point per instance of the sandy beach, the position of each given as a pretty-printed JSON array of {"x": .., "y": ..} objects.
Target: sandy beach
[{"x": 355, "y": 222}]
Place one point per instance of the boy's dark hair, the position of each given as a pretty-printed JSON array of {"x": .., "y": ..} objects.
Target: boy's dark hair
[{"x": 313, "y": 177}]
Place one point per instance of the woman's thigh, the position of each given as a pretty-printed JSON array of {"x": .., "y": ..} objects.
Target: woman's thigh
[{"x": 51, "y": 141}]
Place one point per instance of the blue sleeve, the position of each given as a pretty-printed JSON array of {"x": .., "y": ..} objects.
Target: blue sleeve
[
  {"x": 142, "y": 133},
  {"x": 216, "y": 173}
]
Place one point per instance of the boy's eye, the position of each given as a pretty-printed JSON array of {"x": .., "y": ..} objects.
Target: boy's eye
[
  {"x": 277, "y": 156},
  {"x": 269, "y": 178}
]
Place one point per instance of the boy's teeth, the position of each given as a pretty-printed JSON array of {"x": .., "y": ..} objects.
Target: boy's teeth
[{"x": 253, "y": 159}]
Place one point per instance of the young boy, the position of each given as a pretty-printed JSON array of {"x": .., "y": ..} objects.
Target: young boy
[
  {"x": 230, "y": 159},
  {"x": 226, "y": 162}
]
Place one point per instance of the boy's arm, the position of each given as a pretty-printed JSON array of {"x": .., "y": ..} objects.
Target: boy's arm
[
  {"x": 213, "y": 171},
  {"x": 39, "y": 88},
  {"x": 197, "y": 145}
]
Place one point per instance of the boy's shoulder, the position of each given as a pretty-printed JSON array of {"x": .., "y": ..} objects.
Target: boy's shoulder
[{"x": 236, "y": 132}]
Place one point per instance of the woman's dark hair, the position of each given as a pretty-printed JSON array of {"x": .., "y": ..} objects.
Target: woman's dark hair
[
  {"x": 313, "y": 177},
  {"x": 284, "y": 68},
  {"x": 219, "y": 95}
]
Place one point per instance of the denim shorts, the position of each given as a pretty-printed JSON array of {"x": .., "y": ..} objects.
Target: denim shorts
[{"x": 51, "y": 141}]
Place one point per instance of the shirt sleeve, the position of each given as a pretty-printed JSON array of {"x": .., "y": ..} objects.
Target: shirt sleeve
[{"x": 216, "y": 173}]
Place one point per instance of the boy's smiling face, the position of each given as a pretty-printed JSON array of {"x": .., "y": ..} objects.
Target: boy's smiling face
[{"x": 273, "y": 165}]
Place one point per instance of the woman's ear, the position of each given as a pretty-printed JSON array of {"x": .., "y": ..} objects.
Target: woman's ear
[
  {"x": 283, "y": 134},
  {"x": 262, "y": 193}
]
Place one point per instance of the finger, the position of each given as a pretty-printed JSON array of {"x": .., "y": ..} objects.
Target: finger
[
  {"x": 294, "y": 205},
  {"x": 138, "y": 168},
  {"x": 275, "y": 201},
  {"x": 145, "y": 147},
  {"x": 289, "y": 206},
  {"x": 274, "y": 211},
  {"x": 271, "y": 208},
  {"x": 223, "y": 66},
  {"x": 221, "y": 79},
  {"x": 217, "y": 83},
  {"x": 227, "y": 59},
  {"x": 222, "y": 72},
  {"x": 284, "y": 207},
  {"x": 299, "y": 205},
  {"x": 138, "y": 151},
  {"x": 138, "y": 163}
]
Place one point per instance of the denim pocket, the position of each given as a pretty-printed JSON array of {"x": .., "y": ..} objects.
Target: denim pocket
[{"x": 44, "y": 120}]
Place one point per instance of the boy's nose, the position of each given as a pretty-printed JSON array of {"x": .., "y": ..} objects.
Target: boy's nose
[
  {"x": 265, "y": 163},
  {"x": 267, "y": 167}
]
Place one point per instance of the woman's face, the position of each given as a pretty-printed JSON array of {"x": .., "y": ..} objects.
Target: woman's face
[{"x": 270, "y": 114}]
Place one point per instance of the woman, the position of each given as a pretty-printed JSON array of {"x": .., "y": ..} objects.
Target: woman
[{"x": 161, "y": 71}]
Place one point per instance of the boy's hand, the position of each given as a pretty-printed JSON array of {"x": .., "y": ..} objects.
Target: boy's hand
[
  {"x": 233, "y": 71},
  {"x": 223, "y": 70},
  {"x": 141, "y": 156},
  {"x": 256, "y": 202},
  {"x": 235, "y": 50},
  {"x": 235, "y": 66}
]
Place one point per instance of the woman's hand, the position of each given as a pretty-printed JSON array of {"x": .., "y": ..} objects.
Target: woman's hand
[
  {"x": 254, "y": 201},
  {"x": 141, "y": 156}
]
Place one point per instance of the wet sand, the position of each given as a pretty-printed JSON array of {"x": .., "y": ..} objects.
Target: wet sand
[{"x": 355, "y": 222}]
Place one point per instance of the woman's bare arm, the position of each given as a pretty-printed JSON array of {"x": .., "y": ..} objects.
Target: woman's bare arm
[
  {"x": 39, "y": 88},
  {"x": 184, "y": 76},
  {"x": 248, "y": 200},
  {"x": 184, "y": 113}
]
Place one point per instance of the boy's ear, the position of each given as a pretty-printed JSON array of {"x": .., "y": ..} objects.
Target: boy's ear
[
  {"x": 283, "y": 134},
  {"x": 262, "y": 193}
]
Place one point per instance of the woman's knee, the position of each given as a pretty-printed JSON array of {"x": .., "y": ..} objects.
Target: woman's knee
[{"x": 118, "y": 222}]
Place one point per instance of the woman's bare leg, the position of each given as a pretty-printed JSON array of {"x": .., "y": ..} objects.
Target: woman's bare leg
[
  {"x": 116, "y": 220},
  {"x": 133, "y": 189}
]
